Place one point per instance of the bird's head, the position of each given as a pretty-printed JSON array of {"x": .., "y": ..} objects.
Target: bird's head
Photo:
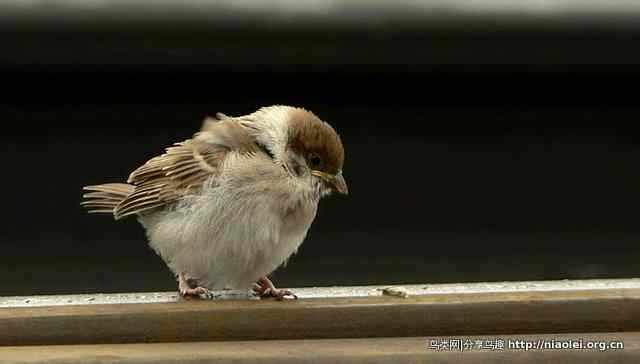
[{"x": 308, "y": 148}]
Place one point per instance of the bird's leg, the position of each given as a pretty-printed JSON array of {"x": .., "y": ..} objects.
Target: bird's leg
[
  {"x": 265, "y": 288},
  {"x": 186, "y": 289}
]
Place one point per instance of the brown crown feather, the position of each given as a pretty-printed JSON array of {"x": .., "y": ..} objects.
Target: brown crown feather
[{"x": 309, "y": 134}]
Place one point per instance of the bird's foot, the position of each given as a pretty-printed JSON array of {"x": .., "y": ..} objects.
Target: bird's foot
[
  {"x": 187, "y": 290},
  {"x": 265, "y": 288}
]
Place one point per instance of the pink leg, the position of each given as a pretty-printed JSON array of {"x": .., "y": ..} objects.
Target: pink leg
[
  {"x": 265, "y": 288},
  {"x": 186, "y": 290}
]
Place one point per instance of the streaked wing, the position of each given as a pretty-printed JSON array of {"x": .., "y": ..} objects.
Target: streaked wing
[{"x": 185, "y": 167}]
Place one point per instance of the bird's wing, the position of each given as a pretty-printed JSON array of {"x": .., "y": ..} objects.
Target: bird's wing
[{"x": 183, "y": 168}]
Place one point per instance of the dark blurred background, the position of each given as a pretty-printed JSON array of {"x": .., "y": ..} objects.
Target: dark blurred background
[{"x": 482, "y": 145}]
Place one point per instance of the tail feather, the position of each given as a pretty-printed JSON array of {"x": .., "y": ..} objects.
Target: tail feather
[{"x": 106, "y": 197}]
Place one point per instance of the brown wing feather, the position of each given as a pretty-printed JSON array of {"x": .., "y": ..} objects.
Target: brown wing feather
[
  {"x": 184, "y": 168},
  {"x": 106, "y": 197}
]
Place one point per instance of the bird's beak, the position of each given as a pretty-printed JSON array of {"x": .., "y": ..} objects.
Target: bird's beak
[{"x": 335, "y": 180}]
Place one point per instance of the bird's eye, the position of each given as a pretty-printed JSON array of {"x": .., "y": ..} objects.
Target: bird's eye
[{"x": 314, "y": 160}]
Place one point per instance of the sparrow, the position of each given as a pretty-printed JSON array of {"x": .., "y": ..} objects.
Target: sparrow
[{"x": 228, "y": 206}]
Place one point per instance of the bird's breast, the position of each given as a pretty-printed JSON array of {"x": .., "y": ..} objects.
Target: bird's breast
[{"x": 236, "y": 231}]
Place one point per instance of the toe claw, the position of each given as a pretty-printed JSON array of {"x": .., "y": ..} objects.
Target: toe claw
[
  {"x": 265, "y": 288},
  {"x": 282, "y": 293},
  {"x": 194, "y": 292}
]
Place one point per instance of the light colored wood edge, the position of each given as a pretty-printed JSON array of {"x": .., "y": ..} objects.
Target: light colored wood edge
[{"x": 332, "y": 292}]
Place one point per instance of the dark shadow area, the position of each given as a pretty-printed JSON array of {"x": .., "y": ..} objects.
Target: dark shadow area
[{"x": 458, "y": 172}]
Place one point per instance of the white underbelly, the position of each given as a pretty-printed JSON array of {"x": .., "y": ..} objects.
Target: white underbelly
[{"x": 223, "y": 241}]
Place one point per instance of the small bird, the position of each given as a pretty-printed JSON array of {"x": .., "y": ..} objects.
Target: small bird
[{"x": 227, "y": 207}]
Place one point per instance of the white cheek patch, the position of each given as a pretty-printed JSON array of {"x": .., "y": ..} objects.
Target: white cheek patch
[{"x": 269, "y": 126}]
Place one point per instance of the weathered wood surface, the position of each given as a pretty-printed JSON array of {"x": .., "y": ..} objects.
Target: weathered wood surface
[
  {"x": 333, "y": 292},
  {"x": 372, "y": 350},
  {"x": 350, "y": 312}
]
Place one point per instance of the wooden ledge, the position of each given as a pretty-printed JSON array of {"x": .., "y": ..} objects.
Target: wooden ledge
[
  {"x": 412, "y": 350},
  {"x": 350, "y": 312}
]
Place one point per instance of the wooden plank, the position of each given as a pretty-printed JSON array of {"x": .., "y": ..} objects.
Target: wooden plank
[
  {"x": 333, "y": 292},
  {"x": 499, "y": 308},
  {"x": 371, "y": 350}
]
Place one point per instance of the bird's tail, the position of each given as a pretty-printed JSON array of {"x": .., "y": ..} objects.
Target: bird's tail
[{"x": 106, "y": 197}]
